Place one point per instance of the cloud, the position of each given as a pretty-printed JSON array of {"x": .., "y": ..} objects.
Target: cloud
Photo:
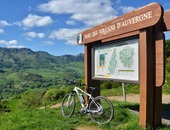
[
  {"x": 33, "y": 20},
  {"x": 66, "y": 34},
  {"x": 1, "y": 31},
  {"x": 4, "y": 23},
  {"x": 48, "y": 43},
  {"x": 127, "y": 9},
  {"x": 34, "y": 35},
  {"x": 11, "y": 44},
  {"x": 90, "y": 12},
  {"x": 71, "y": 22}
]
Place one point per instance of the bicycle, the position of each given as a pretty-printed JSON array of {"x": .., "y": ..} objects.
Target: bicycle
[{"x": 100, "y": 108}]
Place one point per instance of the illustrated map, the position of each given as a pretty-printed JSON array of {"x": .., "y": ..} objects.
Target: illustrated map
[{"x": 117, "y": 60}]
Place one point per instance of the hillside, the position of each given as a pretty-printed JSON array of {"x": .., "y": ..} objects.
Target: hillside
[
  {"x": 27, "y": 58},
  {"x": 22, "y": 69}
]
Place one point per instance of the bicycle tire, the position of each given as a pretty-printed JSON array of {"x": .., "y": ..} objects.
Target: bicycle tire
[
  {"x": 106, "y": 113},
  {"x": 68, "y": 105}
]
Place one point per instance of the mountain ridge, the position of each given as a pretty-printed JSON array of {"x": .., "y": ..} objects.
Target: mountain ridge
[{"x": 25, "y": 56}]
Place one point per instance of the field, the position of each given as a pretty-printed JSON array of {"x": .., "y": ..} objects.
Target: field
[
  {"x": 33, "y": 118},
  {"x": 51, "y": 119}
]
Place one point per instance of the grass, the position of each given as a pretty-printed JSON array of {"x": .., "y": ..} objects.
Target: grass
[
  {"x": 30, "y": 120},
  {"x": 52, "y": 119},
  {"x": 13, "y": 76},
  {"x": 118, "y": 91}
]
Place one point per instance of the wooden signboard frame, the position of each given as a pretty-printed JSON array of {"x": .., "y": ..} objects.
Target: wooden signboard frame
[{"x": 148, "y": 23}]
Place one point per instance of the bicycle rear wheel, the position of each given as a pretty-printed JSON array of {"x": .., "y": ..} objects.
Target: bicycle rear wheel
[
  {"x": 68, "y": 105},
  {"x": 101, "y": 110}
]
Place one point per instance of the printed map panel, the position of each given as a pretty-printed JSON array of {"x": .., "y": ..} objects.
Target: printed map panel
[{"x": 117, "y": 61}]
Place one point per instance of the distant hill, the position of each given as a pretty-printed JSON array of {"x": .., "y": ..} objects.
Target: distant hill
[
  {"x": 27, "y": 58},
  {"x": 24, "y": 69}
]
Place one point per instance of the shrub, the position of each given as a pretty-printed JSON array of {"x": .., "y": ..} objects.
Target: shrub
[
  {"x": 109, "y": 85},
  {"x": 3, "y": 106},
  {"x": 54, "y": 94},
  {"x": 32, "y": 98}
]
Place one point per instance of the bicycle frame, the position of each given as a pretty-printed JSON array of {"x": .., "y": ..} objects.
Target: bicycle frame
[
  {"x": 99, "y": 109},
  {"x": 77, "y": 89}
]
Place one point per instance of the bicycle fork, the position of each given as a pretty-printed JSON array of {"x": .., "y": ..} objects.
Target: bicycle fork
[{"x": 68, "y": 103}]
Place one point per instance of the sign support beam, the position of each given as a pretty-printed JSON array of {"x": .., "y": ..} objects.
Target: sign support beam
[
  {"x": 88, "y": 72},
  {"x": 147, "y": 79},
  {"x": 160, "y": 77}
]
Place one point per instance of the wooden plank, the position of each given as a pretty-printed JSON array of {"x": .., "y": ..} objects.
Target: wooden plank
[
  {"x": 130, "y": 34},
  {"x": 88, "y": 72},
  {"x": 166, "y": 23},
  {"x": 143, "y": 17},
  {"x": 147, "y": 78},
  {"x": 160, "y": 58}
]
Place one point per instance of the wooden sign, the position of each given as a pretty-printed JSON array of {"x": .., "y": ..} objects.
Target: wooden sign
[
  {"x": 106, "y": 58},
  {"x": 146, "y": 16}
]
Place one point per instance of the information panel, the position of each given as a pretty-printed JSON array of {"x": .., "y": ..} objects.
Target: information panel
[{"x": 117, "y": 61}]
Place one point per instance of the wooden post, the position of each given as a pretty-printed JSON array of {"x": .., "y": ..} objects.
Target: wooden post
[
  {"x": 158, "y": 107},
  {"x": 147, "y": 78},
  {"x": 88, "y": 72},
  {"x": 160, "y": 75},
  {"x": 151, "y": 77}
]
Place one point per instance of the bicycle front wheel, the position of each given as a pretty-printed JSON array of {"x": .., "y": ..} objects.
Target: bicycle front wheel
[
  {"x": 68, "y": 105},
  {"x": 101, "y": 110}
]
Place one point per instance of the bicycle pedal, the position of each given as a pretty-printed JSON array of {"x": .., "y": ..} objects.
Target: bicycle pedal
[{"x": 82, "y": 111}]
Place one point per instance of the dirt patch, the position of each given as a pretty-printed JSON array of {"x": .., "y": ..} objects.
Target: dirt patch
[
  {"x": 56, "y": 105},
  {"x": 87, "y": 128},
  {"x": 53, "y": 106},
  {"x": 135, "y": 98},
  {"x": 166, "y": 99},
  {"x": 132, "y": 98}
]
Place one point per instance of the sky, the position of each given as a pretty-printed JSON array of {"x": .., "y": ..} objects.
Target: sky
[{"x": 53, "y": 25}]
